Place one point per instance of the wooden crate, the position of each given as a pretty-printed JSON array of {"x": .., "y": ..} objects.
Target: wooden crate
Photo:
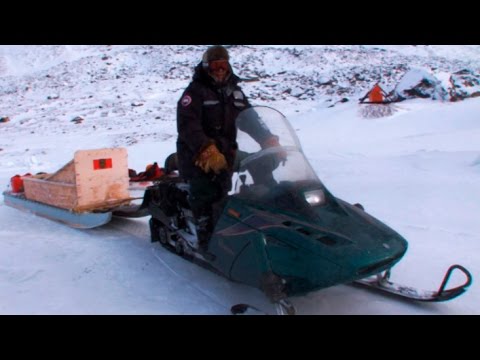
[{"x": 93, "y": 180}]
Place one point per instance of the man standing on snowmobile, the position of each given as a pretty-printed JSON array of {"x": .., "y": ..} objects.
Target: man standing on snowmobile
[{"x": 206, "y": 144}]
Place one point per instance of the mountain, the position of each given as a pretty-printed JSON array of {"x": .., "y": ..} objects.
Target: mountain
[{"x": 109, "y": 85}]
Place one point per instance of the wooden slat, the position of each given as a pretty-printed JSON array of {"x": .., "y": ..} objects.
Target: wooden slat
[
  {"x": 58, "y": 194},
  {"x": 96, "y": 186},
  {"x": 105, "y": 206},
  {"x": 66, "y": 174}
]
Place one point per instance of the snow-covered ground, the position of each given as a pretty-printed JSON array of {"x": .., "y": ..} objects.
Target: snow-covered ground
[{"x": 417, "y": 170}]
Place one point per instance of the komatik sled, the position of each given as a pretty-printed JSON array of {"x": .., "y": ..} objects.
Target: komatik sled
[{"x": 82, "y": 194}]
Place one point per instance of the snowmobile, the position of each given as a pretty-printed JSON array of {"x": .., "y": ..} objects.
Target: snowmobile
[{"x": 281, "y": 230}]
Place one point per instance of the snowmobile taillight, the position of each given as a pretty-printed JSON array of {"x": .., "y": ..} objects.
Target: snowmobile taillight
[{"x": 315, "y": 197}]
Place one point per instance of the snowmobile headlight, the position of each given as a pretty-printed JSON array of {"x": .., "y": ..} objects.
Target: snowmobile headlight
[{"x": 315, "y": 197}]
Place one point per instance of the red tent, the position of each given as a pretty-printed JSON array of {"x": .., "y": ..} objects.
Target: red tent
[{"x": 375, "y": 96}]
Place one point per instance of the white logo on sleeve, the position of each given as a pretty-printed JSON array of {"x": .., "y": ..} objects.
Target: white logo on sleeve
[{"x": 186, "y": 100}]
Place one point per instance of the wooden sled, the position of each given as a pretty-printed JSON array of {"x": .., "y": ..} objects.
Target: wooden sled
[{"x": 84, "y": 193}]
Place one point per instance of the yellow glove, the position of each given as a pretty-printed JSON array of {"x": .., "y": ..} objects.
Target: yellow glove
[{"x": 211, "y": 159}]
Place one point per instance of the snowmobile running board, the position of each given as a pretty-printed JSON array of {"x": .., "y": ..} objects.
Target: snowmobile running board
[
  {"x": 85, "y": 220},
  {"x": 381, "y": 282}
]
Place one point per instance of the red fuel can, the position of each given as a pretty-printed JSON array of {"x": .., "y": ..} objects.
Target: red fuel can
[{"x": 16, "y": 182}]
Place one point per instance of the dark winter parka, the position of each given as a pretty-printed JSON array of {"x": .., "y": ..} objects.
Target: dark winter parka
[{"x": 206, "y": 114}]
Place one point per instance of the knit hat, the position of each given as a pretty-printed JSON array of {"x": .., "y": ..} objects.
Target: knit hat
[{"x": 216, "y": 52}]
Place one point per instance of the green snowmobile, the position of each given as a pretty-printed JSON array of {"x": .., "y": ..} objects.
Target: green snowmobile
[{"x": 281, "y": 230}]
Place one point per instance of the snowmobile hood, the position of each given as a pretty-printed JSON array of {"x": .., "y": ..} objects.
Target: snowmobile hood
[
  {"x": 281, "y": 181},
  {"x": 312, "y": 238}
]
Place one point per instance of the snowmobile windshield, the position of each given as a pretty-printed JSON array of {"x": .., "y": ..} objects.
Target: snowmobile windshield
[{"x": 265, "y": 165}]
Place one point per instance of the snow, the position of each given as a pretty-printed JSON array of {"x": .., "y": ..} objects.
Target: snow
[
  {"x": 414, "y": 77},
  {"x": 417, "y": 170}
]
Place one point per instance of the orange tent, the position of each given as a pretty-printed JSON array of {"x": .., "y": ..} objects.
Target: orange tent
[{"x": 376, "y": 95}]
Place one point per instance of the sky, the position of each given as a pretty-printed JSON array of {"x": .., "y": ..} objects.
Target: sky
[{"x": 417, "y": 170}]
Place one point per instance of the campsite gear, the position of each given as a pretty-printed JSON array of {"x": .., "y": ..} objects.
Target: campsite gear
[{"x": 152, "y": 172}]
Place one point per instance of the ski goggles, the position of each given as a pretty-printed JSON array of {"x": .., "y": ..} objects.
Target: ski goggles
[{"x": 216, "y": 65}]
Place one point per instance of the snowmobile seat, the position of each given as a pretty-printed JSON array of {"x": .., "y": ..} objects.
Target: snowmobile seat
[{"x": 171, "y": 164}]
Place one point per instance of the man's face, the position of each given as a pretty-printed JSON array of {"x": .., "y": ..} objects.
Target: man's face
[{"x": 219, "y": 69}]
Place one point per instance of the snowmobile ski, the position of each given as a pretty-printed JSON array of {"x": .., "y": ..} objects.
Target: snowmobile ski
[
  {"x": 246, "y": 309},
  {"x": 285, "y": 307},
  {"x": 381, "y": 282},
  {"x": 85, "y": 220},
  {"x": 282, "y": 307}
]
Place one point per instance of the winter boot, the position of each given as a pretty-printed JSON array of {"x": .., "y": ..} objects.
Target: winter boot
[{"x": 204, "y": 232}]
